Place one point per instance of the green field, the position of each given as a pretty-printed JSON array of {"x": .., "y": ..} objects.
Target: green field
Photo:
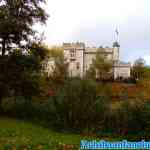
[
  {"x": 22, "y": 135},
  {"x": 18, "y": 134}
]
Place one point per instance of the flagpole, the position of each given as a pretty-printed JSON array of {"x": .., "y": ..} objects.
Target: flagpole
[{"x": 117, "y": 35}]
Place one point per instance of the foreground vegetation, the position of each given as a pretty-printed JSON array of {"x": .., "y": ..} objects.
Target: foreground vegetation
[
  {"x": 111, "y": 110},
  {"x": 25, "y": 135},
  {"x": 20, "y": 135},
  {"x": 102, "y": 109},
  {"x": 83, "y": 106}
]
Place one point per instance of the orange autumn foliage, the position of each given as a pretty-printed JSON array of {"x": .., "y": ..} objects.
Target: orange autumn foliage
[{"x": 132, "y": 91}]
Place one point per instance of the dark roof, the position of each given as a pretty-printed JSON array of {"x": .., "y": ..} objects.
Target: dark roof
[{"x": 116, "y": 44}]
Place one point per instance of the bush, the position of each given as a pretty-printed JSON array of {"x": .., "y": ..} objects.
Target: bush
[
  {"x": 131, "y": 117},
  {"x": 76, "y": 105},
  {"x": 82, "y": 105},
  {"x": 16, "y": 106},
  {"x": 8, "y": 104}
]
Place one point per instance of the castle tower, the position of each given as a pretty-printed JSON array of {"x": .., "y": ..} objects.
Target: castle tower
[
  {"x": 116, "y": 49},
  {"x": 74, "y": 55}
]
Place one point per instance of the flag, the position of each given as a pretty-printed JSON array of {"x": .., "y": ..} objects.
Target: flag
[{"x": 117, "y": 31}]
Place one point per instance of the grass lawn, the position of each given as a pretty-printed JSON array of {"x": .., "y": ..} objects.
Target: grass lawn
[{"x": 24, "y": 135}]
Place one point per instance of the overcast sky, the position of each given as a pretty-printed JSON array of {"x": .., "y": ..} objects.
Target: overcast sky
[{"x": 94, "y": 22}]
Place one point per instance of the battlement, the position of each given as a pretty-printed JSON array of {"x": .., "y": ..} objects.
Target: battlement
[{"x": 77, "y": 45}]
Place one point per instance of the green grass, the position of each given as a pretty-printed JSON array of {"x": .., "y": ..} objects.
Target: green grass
[{"x": 18, "y": 133}]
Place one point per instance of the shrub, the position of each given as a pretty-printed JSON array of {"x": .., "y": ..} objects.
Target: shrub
[
  {"x": 77, "y": 105},
  {"x": 131, "y": 117},
  {"x": 8, "y": 104}
]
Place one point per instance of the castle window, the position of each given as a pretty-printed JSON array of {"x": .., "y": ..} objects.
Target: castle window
[
  {"x": 105, "y": 56},
  {"x": 72, "y": 53},
  {"x": 78, "y": 65}
]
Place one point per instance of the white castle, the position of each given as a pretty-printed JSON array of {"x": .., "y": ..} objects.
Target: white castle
[{"x": 80, "y": 57}]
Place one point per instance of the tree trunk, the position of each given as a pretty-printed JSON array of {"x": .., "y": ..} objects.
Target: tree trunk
[{"x": 3, "y": 47}]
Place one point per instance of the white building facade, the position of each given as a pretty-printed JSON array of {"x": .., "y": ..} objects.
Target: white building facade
[{"x": 80, "y": 57}]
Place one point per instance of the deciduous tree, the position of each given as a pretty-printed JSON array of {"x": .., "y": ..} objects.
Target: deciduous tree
[
  {"x": 16, "y": 20},
  {"x": 100, "y": 67},
  {"x": 138, "y": 69}
]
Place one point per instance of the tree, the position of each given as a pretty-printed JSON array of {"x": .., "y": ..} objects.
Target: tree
[
  {"x": 55, "y": 66},
  {"x": 147, "y": 72},
  {"x": 100, "y": 68},
  {"x": 21, "y": 74},
  {"x": 60, "y": 67},
  {"x": 69, "y": 106},
  {"x": 60, "y": 70},
  {"x": 138, "y": 69},
  {"x": 38, "y": 50},
  {"x": 56, "y": 52},
  {"x": 16, "y": 20}
]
